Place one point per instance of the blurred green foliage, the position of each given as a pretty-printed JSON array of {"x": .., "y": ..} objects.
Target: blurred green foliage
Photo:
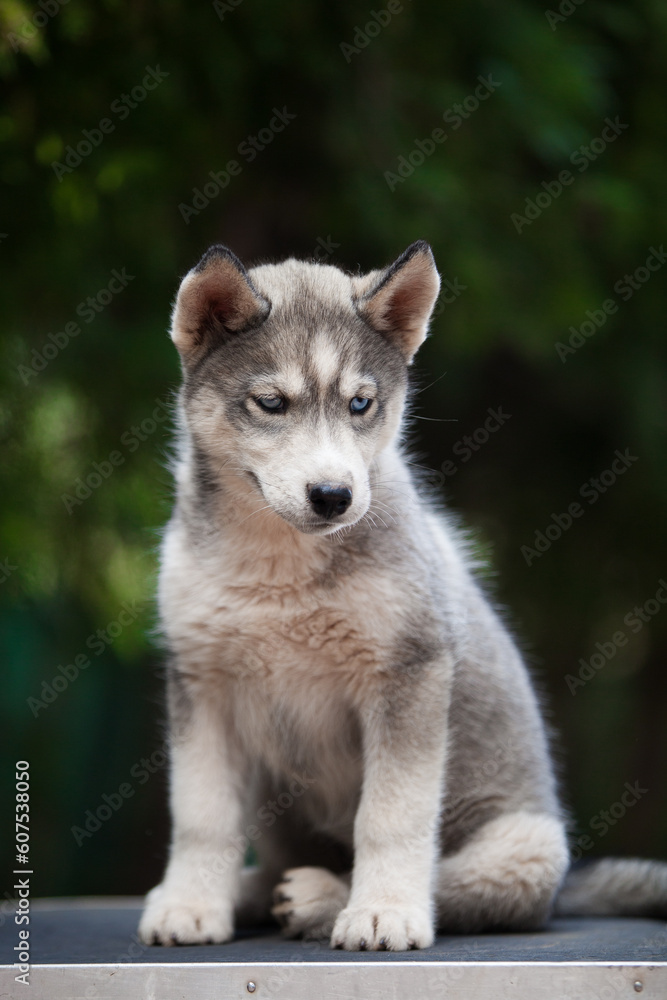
[{"x": 317, "y": 186}]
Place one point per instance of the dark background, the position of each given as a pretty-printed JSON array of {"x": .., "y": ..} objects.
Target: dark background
[{"x": 320, "y": 186}]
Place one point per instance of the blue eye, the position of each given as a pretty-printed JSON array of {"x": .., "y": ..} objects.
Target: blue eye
[
  {"x": 360, "y": 404},
  {"x": 272, "y": 404}
]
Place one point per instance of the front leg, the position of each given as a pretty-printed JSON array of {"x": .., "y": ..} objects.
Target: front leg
[
  {"x": 397, "y": 823},
  {"x": 195, "y": 901}
]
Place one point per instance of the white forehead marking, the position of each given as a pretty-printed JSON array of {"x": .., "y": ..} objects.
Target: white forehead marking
[{"x": 325, "y": 360}]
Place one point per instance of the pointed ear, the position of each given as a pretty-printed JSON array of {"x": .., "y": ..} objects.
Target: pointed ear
[
  {"x": 216, "y": 300},
  {"x": 399, "y": 300}
]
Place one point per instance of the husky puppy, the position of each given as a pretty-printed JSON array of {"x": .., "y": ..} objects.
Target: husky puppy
[{"x": 341, "y": 694}]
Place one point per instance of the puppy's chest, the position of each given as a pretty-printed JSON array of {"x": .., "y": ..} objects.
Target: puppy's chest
[
  {"x": 286, "y": 636},
  {"x": 329, "y": 648},
  {"x": 294, "y": 666},
  {"x": 297, "y": 678}
]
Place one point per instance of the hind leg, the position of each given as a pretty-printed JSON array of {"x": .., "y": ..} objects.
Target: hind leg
[
  {"x": 304, "y": 899},
  {"x": 505, "y": 877},
  {"x": 308, "y": 900}
]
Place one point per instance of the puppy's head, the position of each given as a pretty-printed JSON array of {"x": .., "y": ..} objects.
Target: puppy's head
[{"x": 295, "y": 375}]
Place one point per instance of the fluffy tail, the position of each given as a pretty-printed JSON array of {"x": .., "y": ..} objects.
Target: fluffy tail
[{"x": 615, "y": 888}]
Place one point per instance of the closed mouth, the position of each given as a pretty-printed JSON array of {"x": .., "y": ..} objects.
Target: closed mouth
[{"x": 307, "y": 527}]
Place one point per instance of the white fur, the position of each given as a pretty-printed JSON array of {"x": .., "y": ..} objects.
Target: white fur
[{"x": 325, "y": 359}]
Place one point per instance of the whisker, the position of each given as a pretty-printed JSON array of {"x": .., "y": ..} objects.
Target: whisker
[
  {"x": 252, "y": 514},
  {"x": 392, "y": 489},
  {"x": 430, "y": 384},
  {"x": 388, "y": 514},
  {"x": 381, "y": 520},
  {"x": 382, "y": 498},
  {"x": 370, "y": 518},
  {"x": 366, "y": 520},
  {"x": 435, "y": 420}
]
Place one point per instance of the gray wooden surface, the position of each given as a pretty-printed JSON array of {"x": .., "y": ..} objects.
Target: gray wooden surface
[
  {"x": 88, "y": 933},
  {"x": 89, "y": 949}
]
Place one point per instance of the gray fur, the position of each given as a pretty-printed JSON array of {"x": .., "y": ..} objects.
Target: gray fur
[{"x": 359, "y": 657}]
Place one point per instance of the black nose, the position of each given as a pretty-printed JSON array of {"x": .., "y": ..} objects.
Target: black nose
[{"x": 329, "y": 501}]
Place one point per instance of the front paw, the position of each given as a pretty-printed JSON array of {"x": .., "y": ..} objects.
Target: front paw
[
  {"x": 178, "y": 917},
  {"x": 383, "y": 928}
]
